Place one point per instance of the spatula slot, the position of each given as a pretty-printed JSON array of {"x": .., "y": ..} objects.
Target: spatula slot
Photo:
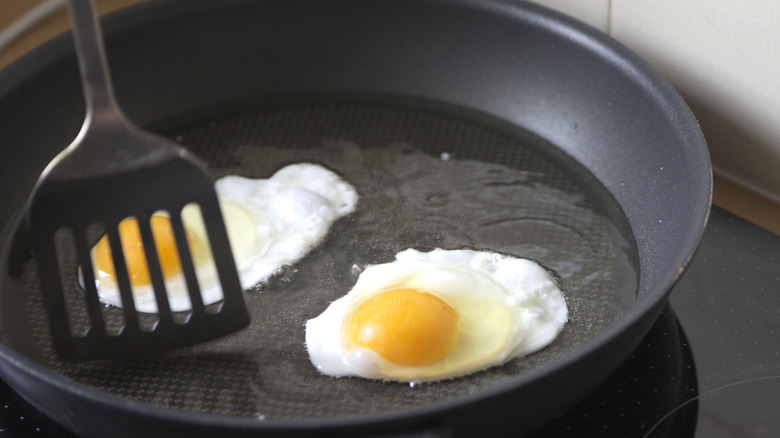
[
  {"x": 75, "y": 303},
  {"x": 192, "y": 218},
  {"x": 114, "y": 321}
]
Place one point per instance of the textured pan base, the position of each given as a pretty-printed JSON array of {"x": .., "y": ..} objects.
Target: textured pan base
[{"x": 428, "y": 177}]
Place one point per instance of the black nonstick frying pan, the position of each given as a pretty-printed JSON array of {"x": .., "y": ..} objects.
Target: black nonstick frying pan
[{"x": 491, "y": 125}]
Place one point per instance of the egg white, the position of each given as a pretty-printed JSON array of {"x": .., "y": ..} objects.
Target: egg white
[
  {"x": 508, "y": 307},
  {"x": 270, "y": 223}
]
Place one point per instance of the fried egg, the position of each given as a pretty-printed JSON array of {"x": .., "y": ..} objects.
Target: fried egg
[
  {"x": 270, "y": 223},
  {"x": 437, "y": 315}
]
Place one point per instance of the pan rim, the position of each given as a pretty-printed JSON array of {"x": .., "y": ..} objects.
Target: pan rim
[{"x": 657, "y": 294}]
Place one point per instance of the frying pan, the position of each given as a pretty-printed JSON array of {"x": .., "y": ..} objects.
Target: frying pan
[{"x": 439, "y": 112}]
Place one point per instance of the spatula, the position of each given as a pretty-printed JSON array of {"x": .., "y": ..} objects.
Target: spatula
[{"x": 112, "y": 171}]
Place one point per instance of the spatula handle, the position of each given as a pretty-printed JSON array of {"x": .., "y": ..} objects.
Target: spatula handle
[
  {"x": 108, "y": 142},
  {"x": 95, "y": 76}
]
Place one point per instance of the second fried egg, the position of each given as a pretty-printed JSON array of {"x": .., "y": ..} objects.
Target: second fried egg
[{"x": 437, "y": 315}]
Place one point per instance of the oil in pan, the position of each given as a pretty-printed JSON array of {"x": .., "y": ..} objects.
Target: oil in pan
[{"x": 429, "y": 176}]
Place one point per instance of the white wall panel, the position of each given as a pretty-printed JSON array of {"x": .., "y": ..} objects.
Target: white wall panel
[
  {"x": 593, "y": 12},
  {"x": 724, "y": 57}
]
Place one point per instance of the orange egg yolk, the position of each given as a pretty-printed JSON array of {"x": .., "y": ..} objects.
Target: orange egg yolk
[
  {"x": 133, "y": 249},
  {"x": 405, "y": 326}
]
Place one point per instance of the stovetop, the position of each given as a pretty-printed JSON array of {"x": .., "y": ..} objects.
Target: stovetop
[{"x": 710, "y": 366}]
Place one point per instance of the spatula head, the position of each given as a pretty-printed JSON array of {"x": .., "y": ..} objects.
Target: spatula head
[{"x": 76, "y": 207}]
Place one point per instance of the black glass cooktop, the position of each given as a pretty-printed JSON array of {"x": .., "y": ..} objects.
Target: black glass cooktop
[{"x": 710, "y": 366}]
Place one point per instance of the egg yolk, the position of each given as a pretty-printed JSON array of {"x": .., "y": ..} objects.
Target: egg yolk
[
  {"x": 133, "y": 249},
  {"x": 405, "y": 326}
]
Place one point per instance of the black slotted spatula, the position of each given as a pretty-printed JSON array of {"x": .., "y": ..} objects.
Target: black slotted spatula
[{"x": 112, "y": 171}]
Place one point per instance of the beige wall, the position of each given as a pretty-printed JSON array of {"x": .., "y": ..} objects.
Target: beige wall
[{"x": 724, "y": 58}]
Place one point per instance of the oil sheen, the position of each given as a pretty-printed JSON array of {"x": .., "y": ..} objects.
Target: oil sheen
[{"x": 428, "y": 176}]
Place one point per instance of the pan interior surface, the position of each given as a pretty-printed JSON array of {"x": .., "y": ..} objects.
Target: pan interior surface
[{"x": 429, "y": 175}]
